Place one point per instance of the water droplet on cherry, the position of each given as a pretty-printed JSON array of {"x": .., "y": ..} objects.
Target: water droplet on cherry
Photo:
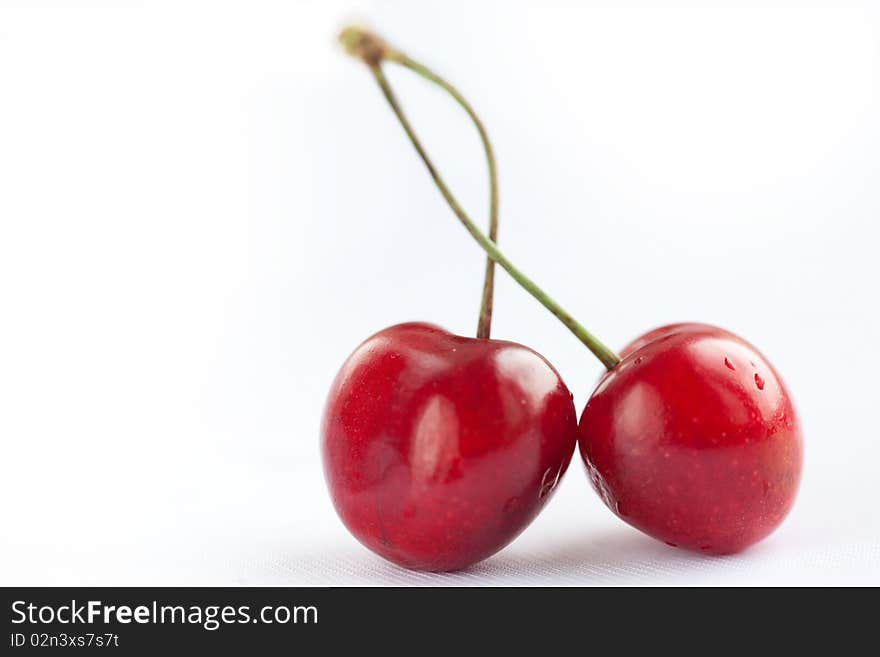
[
  {"x": 728, "y": 364},
  {"x": 759, "y": 381}
]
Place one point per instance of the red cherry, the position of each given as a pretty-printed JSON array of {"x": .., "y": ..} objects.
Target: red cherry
[
  {"x": 693, "y": 439},
  {"x": 439, "y": 449}
]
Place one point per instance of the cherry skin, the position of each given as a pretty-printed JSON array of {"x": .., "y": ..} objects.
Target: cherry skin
[
  {"x": 660, "y": 332},
  {"x": 693, "y": 439},
  {"x": 439, "y": 449}
]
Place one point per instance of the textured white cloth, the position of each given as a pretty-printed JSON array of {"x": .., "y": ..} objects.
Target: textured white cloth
[{"x": 209, "y": 522}]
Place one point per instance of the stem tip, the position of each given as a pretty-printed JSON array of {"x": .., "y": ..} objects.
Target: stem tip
[{"x": 363, "y": 44}]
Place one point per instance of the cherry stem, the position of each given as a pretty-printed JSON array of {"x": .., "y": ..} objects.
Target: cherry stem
[
  {"x": 484, "y": 325},
  {"x": 364, "y": 44},
  {"x": 373, "y": 51}
]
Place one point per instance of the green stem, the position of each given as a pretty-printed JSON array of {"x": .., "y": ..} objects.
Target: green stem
[{"x": 484, "y": 325}]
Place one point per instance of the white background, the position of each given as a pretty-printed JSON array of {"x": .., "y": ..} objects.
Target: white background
[{"x": 205, "y": 208}]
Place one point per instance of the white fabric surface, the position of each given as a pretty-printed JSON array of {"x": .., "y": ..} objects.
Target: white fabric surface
[
  {"x": 204, "y": 208},
  {"x": 249, "y": 525}
]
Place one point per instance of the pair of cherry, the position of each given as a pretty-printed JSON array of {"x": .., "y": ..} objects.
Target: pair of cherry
[{"x": 439, "y": 449}]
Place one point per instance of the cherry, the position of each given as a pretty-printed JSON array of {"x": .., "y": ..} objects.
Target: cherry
[
  {"x": 693, "y": 439},
  {"x": 439, "y": 449}
]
